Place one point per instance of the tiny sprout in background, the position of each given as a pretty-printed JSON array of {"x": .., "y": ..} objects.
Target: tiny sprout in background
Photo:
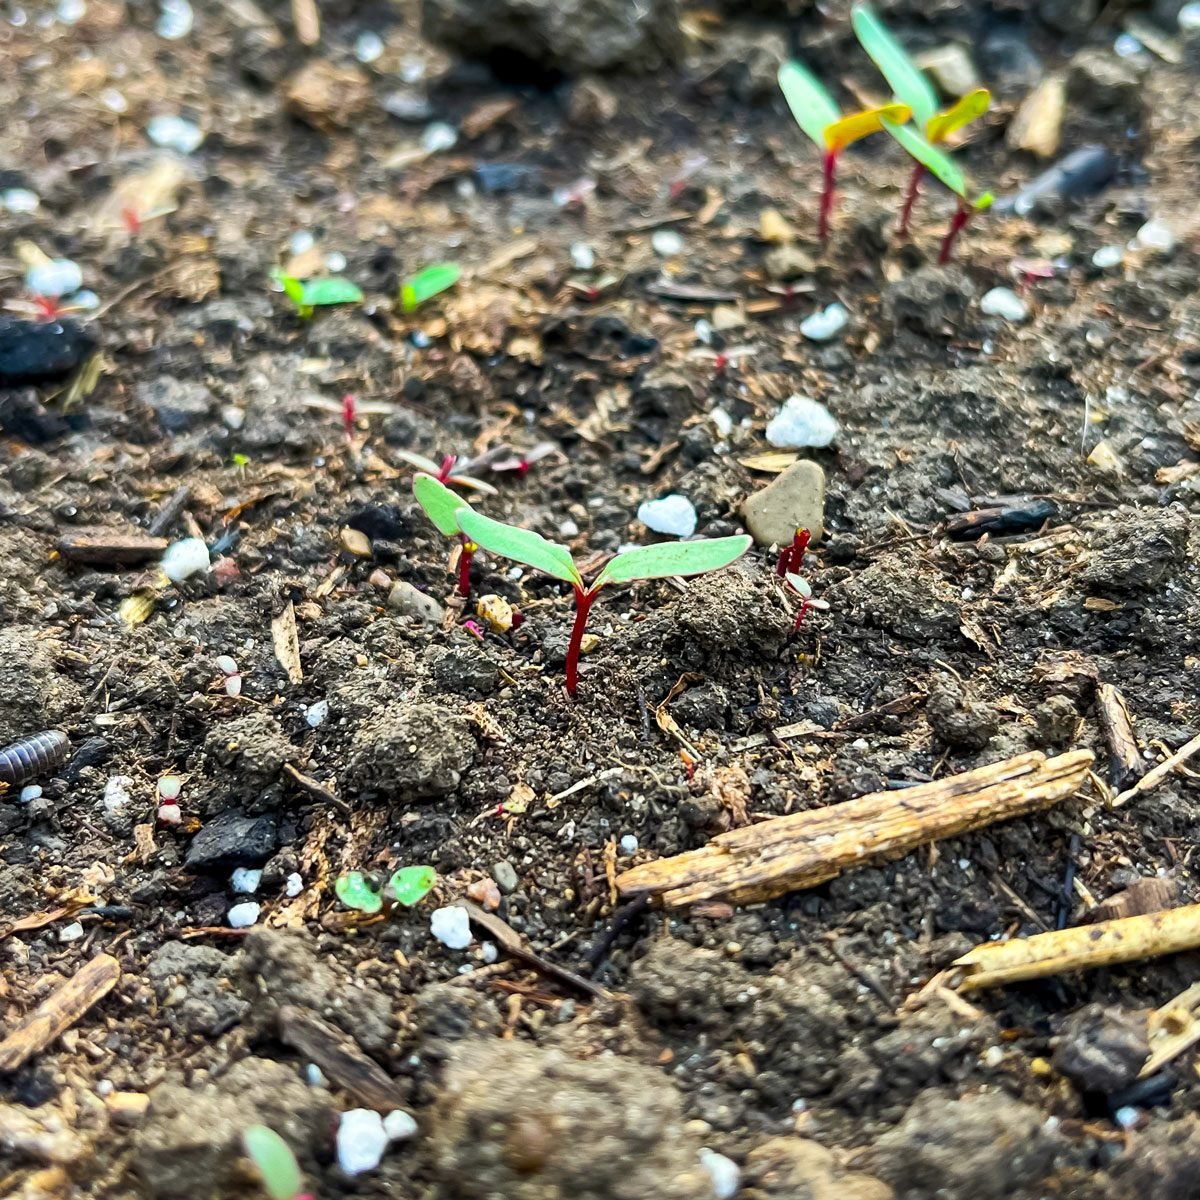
[
  {"x": 663, "y": 561},
  {"x": 309, "y": 294},
  {"x": 358, "y": 891},
  {"x": 443, "y": 507},
  {"x": 446, "y": 473},
  {"x": 407, "y": 886},
  {"x": 410, "y": 885},
  {"x": 909, "y": 84},
  {"x": 819, "y": 117},
  {"x": 426, "y": 284},
  {"x": 275, "y": 1162}
]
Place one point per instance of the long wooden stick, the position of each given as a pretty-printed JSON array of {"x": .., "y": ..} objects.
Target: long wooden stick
[
  {"x": 759, "y": 862},
  {"x": 1099, "y": 945}
]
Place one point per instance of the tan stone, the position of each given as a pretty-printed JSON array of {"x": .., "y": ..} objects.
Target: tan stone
[{"x": 795, "y": 500}]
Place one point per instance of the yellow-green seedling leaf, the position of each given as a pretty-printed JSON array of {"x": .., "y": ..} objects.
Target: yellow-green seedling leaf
[
  {"x": 973, "y": 105},
  {"x": 293, "y": 289},
  {"x": 356, "y": 890},
  {"x": 811, "y": 104},
  {"x": 410, "y": 885},
  {"x": 862, "y": 124},
  {"x": 673, "y": 558},
  {"x": 521, "y": 545},
  {"x": 281, "y": 1178},
  {"x": 320, "y": 293},
  {"x": 441, "y": 505},
  {"x": 937, "y": 162},
  {"x": 983, "y": 201},
  {"x": 905, "y": 78},
  {"x": 426, "y": 284}
]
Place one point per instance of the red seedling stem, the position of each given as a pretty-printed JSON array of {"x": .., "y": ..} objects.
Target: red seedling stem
[
  {"x": 349, "y": 415},
  {"x": 805, "y": 605},
  {"x": 828, "y": 182},
  {"x": 791, "y": 557},
  {"x": 910, "y": 199},
  {"x": 583, "y": 605},
  {"x": 957, "y": 224},
  {"x": 464, "y": 567},
  {"x": 447, "y": 466}
]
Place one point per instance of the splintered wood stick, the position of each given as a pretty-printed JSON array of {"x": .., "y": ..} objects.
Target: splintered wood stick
[
  {"x": 1174, "y": 1029},
  {"x": 59, "y": 1011},
  {"x": 1153, "y": 778},
  {"x": 1124, "y": 940},
  {"x": 306, "y": 21},
  {"x": 1125, "y": 764},
  {"x": 758, "y": 862}
]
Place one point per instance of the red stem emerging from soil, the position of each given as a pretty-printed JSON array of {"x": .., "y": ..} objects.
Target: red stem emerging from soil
[
  {"x": 910, "y": 199},
  {"x": 464, "y": 567},
  {"x": 828, "y": 179},
  {"x": 583, "y": 605},
  {"x": 957, "y": 224}
]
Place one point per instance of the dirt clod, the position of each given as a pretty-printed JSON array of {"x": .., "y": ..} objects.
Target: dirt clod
[
  {"x": 1102, "y": 1049},
  {"x": 410, "y": 752},
  {"x": 957, "y": 716}
]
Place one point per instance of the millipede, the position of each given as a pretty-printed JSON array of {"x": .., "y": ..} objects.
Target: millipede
[{"x": 32, "y": 756}]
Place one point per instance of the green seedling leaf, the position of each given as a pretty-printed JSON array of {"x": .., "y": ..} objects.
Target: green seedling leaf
[
  {"x": 673, "y": 558},
  {"x": 441, "y": 505},
  {"x": 293, "y": 289},
  {"x": 937, "y": 162},
  {"x": 410, "y": 885},
  {"x": 798, "y": 584},
  {"x": 521, "y": 545},
  {"x": 275, "y": 1161},
  {"x": 356, "y": 891},
  {"x": 320, "y": 293},
  {"x": 426, "y": 284},
  {"x": 811, "y": 104},
  {"x": 905, "y": 78}
]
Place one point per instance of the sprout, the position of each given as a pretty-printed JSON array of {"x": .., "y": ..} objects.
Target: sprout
[
  {"x": 407, "y": 886},
  {"x": 931, "y": 126},
  {"x": 410, "y": 885},
  {"x": 426, "y": 284},
  {"x": 309, "y": 294},
  {"x": 663, "y": 561},
  {"x": 358, "y": 891},
  {"x": 272, "y": 1156},
  {"x": 818, "y": 115},
  {"x": 442, "y": 507}
]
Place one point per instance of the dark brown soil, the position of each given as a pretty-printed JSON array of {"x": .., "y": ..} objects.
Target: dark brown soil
[{"x": 783, "y": 1036}]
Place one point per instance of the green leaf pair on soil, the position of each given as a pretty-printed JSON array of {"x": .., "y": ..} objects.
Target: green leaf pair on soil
[
  {"x": 276, "y": 1164},
  {"x": 426, "y": 284},
  {"x": 441, "y": 505},
  {"x": 408, "y": 886},
  {"x": 309, "y": 294}
]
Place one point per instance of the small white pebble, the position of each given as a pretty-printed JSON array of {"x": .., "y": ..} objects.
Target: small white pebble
[
  {"x": 314, "y": 1076},
  {"x": 674, "y": 515},
  {"x": 184, "y": 559},
  {"x": 1004, "y": 302},
  {"x": 451, "y": 926},
  {"x": 30, "y": 793},
  {"x": 1189, "y": 18},
  {"x": 802, "y": 423},
  {"x": 233, "y": 417},
  {"x": 583, "y": 257},
  {"x": 1126, "y": 46},
  {"x": 438, "y": 136},
  {"x": 368, "y": 46},
  {"x": 316, "y": 713},
  {"x": 361, "y": 1140},
  {"x": 116, "y": 794},
  {"x": 105, "y": 1087},
  {"x": 399, "y": 1125},
  {"x": 169, "y": 814},
  {"x": 629, "y": 844},
  {"x": 85, "y": 300},
  {"x": 175, "y": 133},
  {"x": 1155, "y": 235},
  {"x": 301, "y": 242},
  {"x": 19, "y": 200},
  {"x": 993, "y": 1056},
  {"x": 1127, "y": 1116},
  {"x": 825, "y": 324},
  {"x": 70, "y": 933},
  {"x": 335, "y": 261},
  {"x": 113, "y": 100},
  {"x": 488, "y": 952},
  {"x": 71, "y": 12},
  {"x": 1107, "y": 257},
  {"x": 568, "y": 529},
  {"x": 722, "y": 420},
  {"x": 175, "y": 19},
  {"x": 242, "y": 916},
  {"x": 293, "y": 885},
  {"x": 245, "y": 881},
  {"x": 704, "y": 331},
  {"x": 667, "y": 242},
  {"x": 58, "y": 277},
  {"x": 725, "y": 1174}
]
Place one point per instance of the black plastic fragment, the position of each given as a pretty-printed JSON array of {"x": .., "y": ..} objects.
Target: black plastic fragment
[
  {"x": 34, "y": 352},
  {"x": 1011, "y": 518}
]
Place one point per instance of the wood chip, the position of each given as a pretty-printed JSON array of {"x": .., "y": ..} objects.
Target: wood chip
[
  {"x": 59, "y": 1011},
  {"x": 307, "y": 22},
  {"x": 287, "y": 643},
  {"x": 1151, "y": 936},
  {"x": 1146, "y": 896},
  {"x": 107, "y": 546},
  {"x": 804, "y": 849},
  {"x": 339, "y": 1058},
  {"x": 1125, "y": 765}
]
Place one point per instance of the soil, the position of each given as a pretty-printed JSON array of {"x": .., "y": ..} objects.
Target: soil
[{"x": 784, "y": 1036}]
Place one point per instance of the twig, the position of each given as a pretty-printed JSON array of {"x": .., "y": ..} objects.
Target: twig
[
  {"x": 169, "y": 513},
  {"x": 621, "y": 918},
  {"x": 1153, "y": 778},
  {"x": 307, "y": 22},
  {"x": 319, "y": 790},
  {"x": 1125, "y": 764}
]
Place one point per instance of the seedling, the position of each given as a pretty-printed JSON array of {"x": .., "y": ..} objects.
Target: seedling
[
  {"x": 426, "y": 284},
  {"x": 309, "y": 294},
  {"x": 819, "y": 117},
  {"x": 446, "y": 473},
  {"x": 791, "y": 557},
  {"x": 910, "y": 85},
  {"x": 275, "y": 1162},
  {"x": 663, "y": 561},
  {"x": 444, "y": 509},
  {"x": 407, "y": 886}
]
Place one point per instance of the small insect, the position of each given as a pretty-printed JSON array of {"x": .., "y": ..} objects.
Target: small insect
[{"x": 31, "y": 756}]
